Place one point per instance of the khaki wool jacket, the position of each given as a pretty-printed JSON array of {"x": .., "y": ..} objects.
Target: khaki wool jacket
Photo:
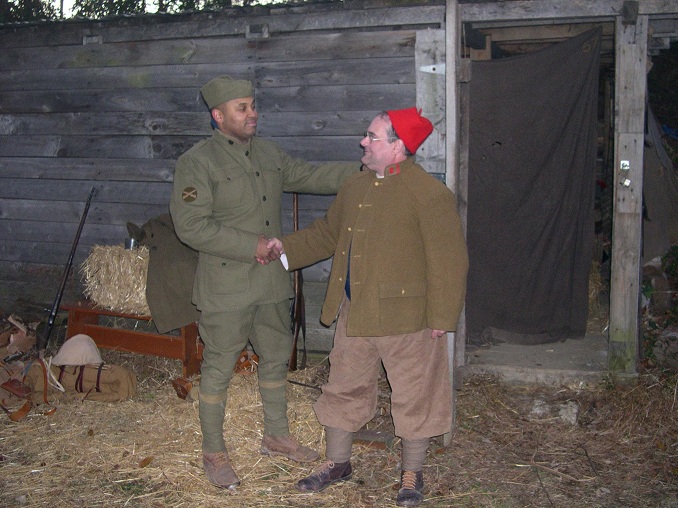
[
  {"x": 224, "y": 195},
  {"x": 408, "y": 257}
]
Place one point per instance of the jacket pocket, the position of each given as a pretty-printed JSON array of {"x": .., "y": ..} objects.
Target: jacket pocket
[
  {"x": 402, "y": 290},
  {"x": 232, "y": 189},
  {"x": 402, "y": 306},
  {"x": 220, "y": 276}
]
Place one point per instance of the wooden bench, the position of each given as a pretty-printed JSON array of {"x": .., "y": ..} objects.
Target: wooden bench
[{"x": 83, "y": 317}]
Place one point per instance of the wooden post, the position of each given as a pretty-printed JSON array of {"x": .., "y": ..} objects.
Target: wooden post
[
  {"x": 456, "y": 340},
  {"x": 429, "y": 62},
  {"x": 630, "y": 91},
  {"x": 464, "y": 117}
]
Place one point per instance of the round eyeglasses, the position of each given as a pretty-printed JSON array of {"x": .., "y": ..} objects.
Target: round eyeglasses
[{"x": 372, "y": 136}]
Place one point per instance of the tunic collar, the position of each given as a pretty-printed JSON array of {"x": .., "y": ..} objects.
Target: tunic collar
[
  {"x": 395, "y": 169},
  {"x": 232, "y": 142}
]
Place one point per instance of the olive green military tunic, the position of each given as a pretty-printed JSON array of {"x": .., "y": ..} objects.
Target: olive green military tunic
[{"x": 226, "y": 194}]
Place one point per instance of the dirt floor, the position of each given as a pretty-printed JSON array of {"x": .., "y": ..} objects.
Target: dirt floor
[{"x": 606, "y": 445}]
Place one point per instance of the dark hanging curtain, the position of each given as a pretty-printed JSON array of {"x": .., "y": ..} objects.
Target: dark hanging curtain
[{"x": 532, "y": 152}]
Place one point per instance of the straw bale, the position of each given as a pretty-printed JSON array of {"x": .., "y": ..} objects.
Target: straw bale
[{"x": 115, "y": 278}]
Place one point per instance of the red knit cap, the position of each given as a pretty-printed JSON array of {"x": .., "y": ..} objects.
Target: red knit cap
[{"x": 410, "y": 126}]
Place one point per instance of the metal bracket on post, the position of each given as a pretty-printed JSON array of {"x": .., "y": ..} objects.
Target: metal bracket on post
[{"x": 433, "y": 69}]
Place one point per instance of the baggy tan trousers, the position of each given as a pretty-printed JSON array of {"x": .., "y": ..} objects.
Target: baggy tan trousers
[{"x": 417, "y": 369}]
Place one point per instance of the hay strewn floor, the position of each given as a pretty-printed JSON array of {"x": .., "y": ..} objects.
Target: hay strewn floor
[{"x": 622, "y": 450}]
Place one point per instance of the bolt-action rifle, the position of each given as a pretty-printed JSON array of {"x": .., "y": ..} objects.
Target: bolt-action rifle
[{"x": 42, "y": 342}]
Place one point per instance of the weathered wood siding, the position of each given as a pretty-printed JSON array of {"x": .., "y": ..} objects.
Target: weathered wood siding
[{"x": 112, "y": 104}]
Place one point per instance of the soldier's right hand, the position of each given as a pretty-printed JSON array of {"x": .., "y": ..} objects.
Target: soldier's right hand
[{"x": 265, "y": 254}]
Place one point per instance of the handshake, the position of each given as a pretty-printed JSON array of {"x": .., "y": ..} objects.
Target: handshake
[{"x": 268, "y": 249}]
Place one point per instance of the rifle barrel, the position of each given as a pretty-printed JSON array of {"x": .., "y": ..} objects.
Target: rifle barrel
[{"x": 57, "y": 301}]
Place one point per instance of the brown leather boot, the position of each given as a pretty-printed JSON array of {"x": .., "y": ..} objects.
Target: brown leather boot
[
  {"x": 219, "y": 470},
  {"x": 328, "y": 474},
  {"x": 287, "y": 446}
]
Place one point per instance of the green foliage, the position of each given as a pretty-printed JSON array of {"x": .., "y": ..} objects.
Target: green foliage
[
  {"x": 173, "y": 6},
  {"x": 98, "y": 9},
  {"x": 646, "y": 289},
  {"x": 34, "y": 10},
  {"x": 670, "y": 264},
  {"x": 27, "y": 10},
  {"x": 654, "y": 326}
]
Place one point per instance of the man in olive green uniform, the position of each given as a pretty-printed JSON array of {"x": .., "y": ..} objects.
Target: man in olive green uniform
[{"x": 226, "y": 204}]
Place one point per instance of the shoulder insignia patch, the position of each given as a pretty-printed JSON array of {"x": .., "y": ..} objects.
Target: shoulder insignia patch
[{"x": 189, "y": 194}]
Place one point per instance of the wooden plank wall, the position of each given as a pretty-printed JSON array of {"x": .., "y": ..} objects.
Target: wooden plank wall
[{"x": 112, "y": 104}]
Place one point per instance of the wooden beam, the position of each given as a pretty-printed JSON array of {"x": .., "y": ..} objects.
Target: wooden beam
[
  {"x": 520, "y": 27},
  {"x": 630, "y": 92},
  {"x": 526, "y": 10},
  {"x": 455, "y": 341},
  {"x": 225, "y": 23},
  {"x": 535, "y": 34}
]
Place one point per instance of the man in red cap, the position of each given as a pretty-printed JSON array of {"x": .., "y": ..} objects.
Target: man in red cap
[{"x": 397, "y": 285}]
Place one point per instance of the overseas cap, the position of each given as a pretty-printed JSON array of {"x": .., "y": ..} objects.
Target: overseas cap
[
  {"x": 410, "y": 126},
  {"x": 225, "y": 88}
]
